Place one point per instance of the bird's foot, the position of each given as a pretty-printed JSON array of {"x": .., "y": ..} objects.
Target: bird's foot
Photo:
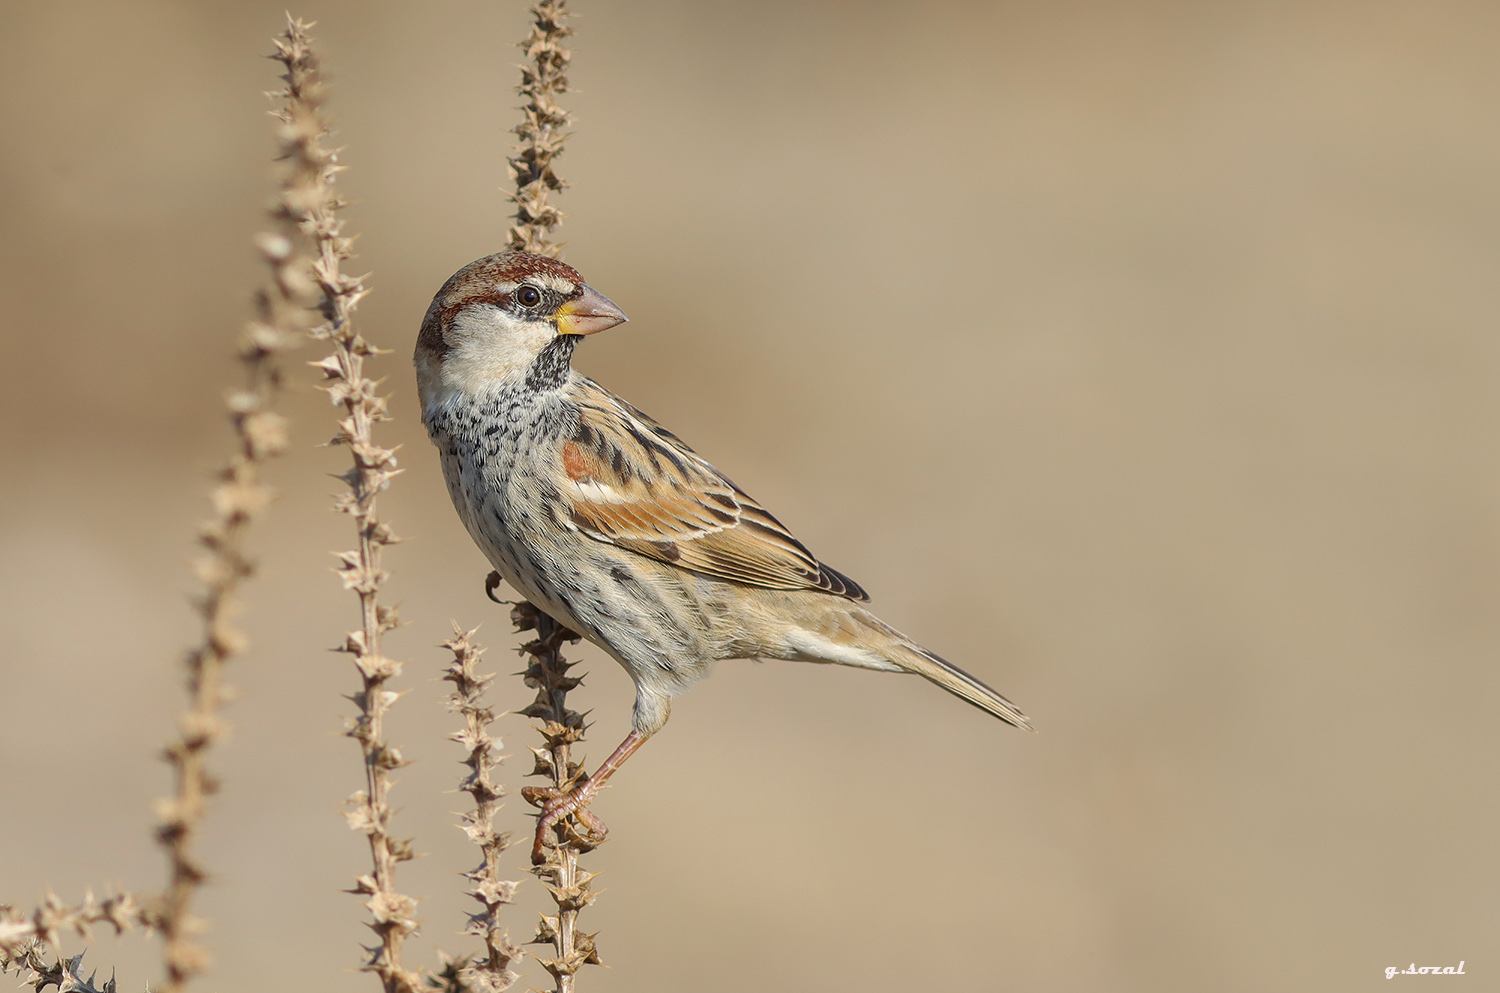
[{"x": 559, "y": 805}]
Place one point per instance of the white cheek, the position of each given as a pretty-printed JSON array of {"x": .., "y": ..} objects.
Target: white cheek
[{"x": 487, "y": 348}]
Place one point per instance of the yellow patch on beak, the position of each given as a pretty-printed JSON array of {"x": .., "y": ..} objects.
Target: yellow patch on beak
[{"x": 590, "y": 313}]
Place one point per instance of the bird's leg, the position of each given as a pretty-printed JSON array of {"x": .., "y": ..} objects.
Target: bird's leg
[{"x": 557, "y": 805}]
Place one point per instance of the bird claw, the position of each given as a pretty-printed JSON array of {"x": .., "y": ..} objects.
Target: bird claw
[
  {"x": 557, "y": 807},
  {"x": 595, "y": 832}
]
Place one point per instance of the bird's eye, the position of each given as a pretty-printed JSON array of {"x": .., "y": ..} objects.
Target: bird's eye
[{"x": 529, "y": 296}]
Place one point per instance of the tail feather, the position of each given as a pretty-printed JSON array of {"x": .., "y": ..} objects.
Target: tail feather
[
  {"x": 953, "y": 679},
  {"x": 856, "y": 637}
]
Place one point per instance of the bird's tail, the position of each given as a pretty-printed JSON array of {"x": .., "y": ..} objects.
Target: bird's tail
[
  {"x": 855, "y": 637},
  {"x": 900, "y": 652},
  {"x": 953, "y": 679}
]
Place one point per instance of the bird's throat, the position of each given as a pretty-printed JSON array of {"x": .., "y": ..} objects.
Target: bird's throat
[{"x": 549, "y": 370}]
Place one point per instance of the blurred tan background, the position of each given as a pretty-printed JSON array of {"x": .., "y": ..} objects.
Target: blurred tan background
[{"x": 1139, "y": 357}]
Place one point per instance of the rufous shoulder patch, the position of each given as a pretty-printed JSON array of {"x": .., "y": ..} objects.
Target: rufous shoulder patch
[{"x": 574, "y": 463}]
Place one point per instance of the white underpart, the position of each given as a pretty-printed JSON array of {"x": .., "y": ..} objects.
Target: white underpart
[{"x": 815, "y": 647}]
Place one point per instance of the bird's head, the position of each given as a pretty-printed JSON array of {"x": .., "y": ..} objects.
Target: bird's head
[{"x": 494, "y": 317}]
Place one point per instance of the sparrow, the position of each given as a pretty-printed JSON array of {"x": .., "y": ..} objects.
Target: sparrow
[{"x": 611, "y": 524}]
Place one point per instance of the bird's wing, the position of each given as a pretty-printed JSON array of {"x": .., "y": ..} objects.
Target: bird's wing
[{"x": 634, "y": 484}]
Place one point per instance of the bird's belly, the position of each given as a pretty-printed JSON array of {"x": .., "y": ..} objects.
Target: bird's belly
[
  {"x": 650, "y": 618},
  {"x": 489, "y": 518}
]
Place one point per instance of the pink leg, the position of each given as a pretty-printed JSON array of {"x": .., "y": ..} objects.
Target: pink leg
[{"x": 556, "y": 805}]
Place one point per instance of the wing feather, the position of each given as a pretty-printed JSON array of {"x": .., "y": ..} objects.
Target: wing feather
[{"x": 636, "y": 485}]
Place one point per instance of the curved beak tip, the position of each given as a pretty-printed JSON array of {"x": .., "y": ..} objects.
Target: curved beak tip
[{"x": 589, "y": 313}]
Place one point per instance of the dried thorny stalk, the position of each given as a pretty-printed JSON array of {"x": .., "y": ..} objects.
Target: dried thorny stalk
[
  {"x": 239, "y": 497},
  {"x": 372, "y": 469},
  {"x": 26, "y": 941},
  {"x": 541, "y": 131},
  {"x": 493, "y": 972},
  {"x": 65, "y": 973},
  {"x": 542, "y": 136},
  {"x": 541, "y": 140},
  {"x": 281, "y": 316},
  {"x": 561, "y": 728}
]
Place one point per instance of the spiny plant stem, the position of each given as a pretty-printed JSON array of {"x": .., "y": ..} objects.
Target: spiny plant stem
[
  {"x": 542, "y": 134},
  {"x": 373, "y": 468},
  {"x": 281, "y": 315},
  {"x": 493, "y": 972},
  {"x": 25, "y": 941},
  {"x": 561, "y": 728},
  {"x": 541, "y": 130}
]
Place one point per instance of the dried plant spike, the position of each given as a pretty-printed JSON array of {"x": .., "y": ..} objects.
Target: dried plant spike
[
  {"x": 26, "y": 941},
  {"x": 281, "y": 316},
  {"x": 541, "y": 130},
  {"x": 314, "y": 210},
  {"x": 542, "y": 134},
  {"x": 493, "y": 971},
  {"x": 66, "y": 973},
  {"x": 561, "y": 728}
]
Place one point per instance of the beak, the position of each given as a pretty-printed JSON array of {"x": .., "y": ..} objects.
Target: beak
[{"x": 589, "y": 313}]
